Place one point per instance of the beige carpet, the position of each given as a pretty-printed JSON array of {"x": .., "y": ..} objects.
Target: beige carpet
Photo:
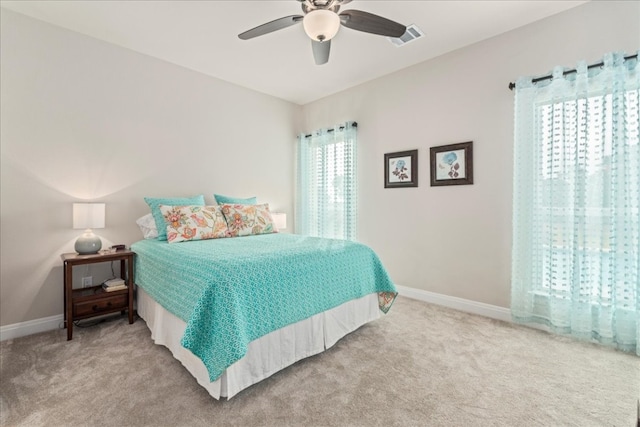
[{"x": 420, "y": 365}]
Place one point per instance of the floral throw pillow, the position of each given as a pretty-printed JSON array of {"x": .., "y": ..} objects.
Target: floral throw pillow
[
  {"x": 155, "y": 202},
  {"x": 185, "y": 223},
  {"x": 245, "y": 220}
]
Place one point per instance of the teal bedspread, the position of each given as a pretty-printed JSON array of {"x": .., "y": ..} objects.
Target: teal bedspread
[{"x": 232, "y": 291}]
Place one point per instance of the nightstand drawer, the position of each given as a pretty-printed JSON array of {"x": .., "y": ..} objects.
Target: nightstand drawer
[{"x": 102, "y": 305}]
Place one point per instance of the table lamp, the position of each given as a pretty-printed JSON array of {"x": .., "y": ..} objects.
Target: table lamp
[
  {"x": 279, "y": 220},
  {"x": 88, "y": 216}
]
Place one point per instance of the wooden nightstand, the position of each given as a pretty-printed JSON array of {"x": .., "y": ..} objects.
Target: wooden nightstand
[{"x": 94, "y": 301}]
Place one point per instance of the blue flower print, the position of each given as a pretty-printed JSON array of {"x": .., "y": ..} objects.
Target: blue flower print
[
  {"x": 449, "y": 158},
  {"x": 401, "y": 170}
]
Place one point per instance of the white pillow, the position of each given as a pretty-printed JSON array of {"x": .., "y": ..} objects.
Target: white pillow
[{"x": 148, "y": 226}]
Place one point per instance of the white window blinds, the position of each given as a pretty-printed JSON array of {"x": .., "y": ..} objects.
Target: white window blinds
[{"x": 326, "y": 203}]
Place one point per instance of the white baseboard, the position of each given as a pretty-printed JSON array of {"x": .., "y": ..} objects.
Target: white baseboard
[
  {"x": 469, "y": 306},
  {"x": 30, "y": 327},
  {"x": 492, "y": 311}
]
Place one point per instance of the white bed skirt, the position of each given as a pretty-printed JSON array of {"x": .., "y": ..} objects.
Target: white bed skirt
[{"x": 266, "y": 355}]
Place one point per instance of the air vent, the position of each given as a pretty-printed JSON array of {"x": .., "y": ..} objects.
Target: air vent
[{"x": 412, "y": 33}]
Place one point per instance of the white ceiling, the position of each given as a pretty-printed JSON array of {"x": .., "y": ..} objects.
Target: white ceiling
[{"x": 202, "y": 36}]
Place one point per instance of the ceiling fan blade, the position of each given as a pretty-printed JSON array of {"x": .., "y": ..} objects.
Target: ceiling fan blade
[
  {"x": 370, "y": 23},
  {"x": 270, "y": 27},
  {"x": 321, "y": 51}
]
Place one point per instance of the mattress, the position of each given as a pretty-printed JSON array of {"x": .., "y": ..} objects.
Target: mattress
[{"x": 265, "y": 355}]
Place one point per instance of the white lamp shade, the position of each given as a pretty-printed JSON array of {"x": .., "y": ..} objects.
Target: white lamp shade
[
  {"x": 88, "y": 215},
  {"x": 321, "y": 25},
  {"x": 279, "y": 220}
]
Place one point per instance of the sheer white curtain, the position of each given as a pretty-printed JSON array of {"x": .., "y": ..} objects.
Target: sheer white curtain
[
  {"x": 327, "y": 191},
  {"x": 576, "y": 219}
]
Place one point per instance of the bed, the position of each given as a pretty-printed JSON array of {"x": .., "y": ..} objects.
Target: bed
[{"x": 236, "y": 310}]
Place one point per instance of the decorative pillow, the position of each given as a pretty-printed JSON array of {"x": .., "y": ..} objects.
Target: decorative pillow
[
  {"x": 184, "y": 223},
  {"x": 221, "y": 200},
  {"x": 148, "y": 226},
  {"x": 244, "y": 220},
  {"x": 154, "y": 204}
]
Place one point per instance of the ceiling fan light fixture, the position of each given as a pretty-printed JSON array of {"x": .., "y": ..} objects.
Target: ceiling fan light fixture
[{"x": 321, "y": 25}]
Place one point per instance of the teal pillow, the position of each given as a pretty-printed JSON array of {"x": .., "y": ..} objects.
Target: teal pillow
[
  {"x": 235, "y": 200},
  {"x": 154, "y": 203}
]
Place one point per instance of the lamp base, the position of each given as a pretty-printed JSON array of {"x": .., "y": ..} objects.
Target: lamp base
[{"x": 87, "y": 244}]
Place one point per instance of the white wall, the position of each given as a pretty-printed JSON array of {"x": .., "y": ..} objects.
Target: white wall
[
  {"x": 83, "y": 119},
  {"x": 456, "y": 240}
]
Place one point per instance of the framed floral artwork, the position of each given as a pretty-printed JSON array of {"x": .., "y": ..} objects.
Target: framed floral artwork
[
  {"x": 401, "y": 169},
  {"x": 452, "y": 164}
]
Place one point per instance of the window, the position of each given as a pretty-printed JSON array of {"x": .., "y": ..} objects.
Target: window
[
  {"x": 573, "y": 191},
  {"x": 327, "y": 191}
]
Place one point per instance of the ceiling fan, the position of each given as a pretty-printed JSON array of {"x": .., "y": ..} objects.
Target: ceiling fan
[{"x": 321, "y": 22}]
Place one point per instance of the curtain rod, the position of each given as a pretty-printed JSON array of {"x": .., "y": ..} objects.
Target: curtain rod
[
  {"x": 512, "y": 85},
  {"x": 354, "y": 124}
]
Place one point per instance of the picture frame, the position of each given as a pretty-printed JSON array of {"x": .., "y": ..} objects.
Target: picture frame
[
  {"x": 452, "y": 164},
  {"x": 401, "y": 169}
]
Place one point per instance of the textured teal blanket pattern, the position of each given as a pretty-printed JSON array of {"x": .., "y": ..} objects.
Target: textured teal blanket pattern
[{"x": 232, "y": 291}]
